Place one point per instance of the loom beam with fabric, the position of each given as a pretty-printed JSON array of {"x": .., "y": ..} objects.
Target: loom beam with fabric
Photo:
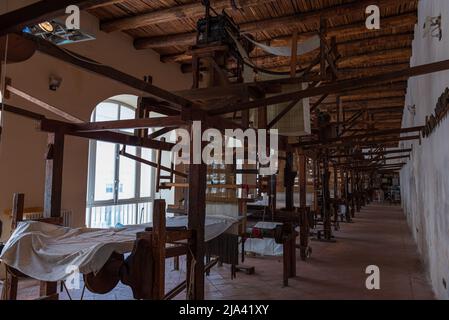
[{"x": 138, "y": 263}]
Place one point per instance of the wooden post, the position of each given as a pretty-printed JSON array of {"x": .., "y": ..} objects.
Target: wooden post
[
  {"x": 158, "y": 245},
  {"x": 336, "y": 198},
  {"x": 348, "y": 213},
  {"x": 326, "y": 205},
  {"x": 10, "y": 285},
  {"x": 289, "y": 182},
  {"x": 197, "y": 220},
  {"x": 304, "y": 218},
  {"x": 17, "y": 209},
  {"x": 286, "y": 262},
  {"x": 323, "y": 53},
  {"x": 53, "y": 175},
  {"x": 316, "y": 174},
  {"x": 352, "y": 195},
  {"x": 359, "y": 192},
  {"x": 53, "y": 193}
]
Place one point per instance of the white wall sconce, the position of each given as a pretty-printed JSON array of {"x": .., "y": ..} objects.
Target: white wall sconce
[
  {"x": 412, "y": 109},
  {"x": 432, "y": 27}
]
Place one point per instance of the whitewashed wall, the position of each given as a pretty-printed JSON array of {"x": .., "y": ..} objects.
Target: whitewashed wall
[
  {"x": 425, "y": 179},
  {"x": 22, "y": 147}
]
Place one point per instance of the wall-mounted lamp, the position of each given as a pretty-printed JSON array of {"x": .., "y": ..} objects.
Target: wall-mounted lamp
[
  {"x": 432, "y": 27},
  {"x": 412, "y": 109},
  {"x": 54, "y": 82},
  {"x": 46, "y": 27}
]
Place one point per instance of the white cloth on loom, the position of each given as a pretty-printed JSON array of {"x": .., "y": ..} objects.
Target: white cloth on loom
[
  {"x": 51, "y": 253},
  {"x": 304, "y": 47}
]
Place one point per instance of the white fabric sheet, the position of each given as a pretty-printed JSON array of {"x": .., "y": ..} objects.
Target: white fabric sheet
[
  {"x": 305, "y": 47},
  {"x": 52, "y": 253}
]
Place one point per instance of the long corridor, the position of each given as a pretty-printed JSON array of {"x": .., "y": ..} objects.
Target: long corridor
[{"x": 379, "y": 236}]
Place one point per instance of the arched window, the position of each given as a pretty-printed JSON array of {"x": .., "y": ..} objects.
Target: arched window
[{"x": 120, "y": 190}]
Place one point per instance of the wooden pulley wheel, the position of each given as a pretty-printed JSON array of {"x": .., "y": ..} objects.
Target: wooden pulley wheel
[
  {"x": 19, "y": 48},
  {"x": 107, "y": 278}
]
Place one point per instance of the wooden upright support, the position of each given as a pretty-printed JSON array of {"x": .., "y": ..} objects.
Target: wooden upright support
[
  {"x": 53, "y": 192},
  {"x": 10, "y": 285},
  {"x": 158, "y": 244},
  {"x": 336, "y": 198},
  {"x": 197, "y": 220},
  {"x": 352, "y": 195},
  {"x": 53, "y": 175},
  {"x": 346, "y": 194},
  {"x": 289, "y": 182},
  {"x": 327, "y": 227},
  {"x": 304, "y": 217}
]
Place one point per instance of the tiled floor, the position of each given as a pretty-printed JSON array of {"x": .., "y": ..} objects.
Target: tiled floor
[{"x": 379, "y": 236}]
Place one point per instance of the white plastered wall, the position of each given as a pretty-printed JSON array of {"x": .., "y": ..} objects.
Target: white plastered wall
[
  {"x": 425, "y": 179},
  {"x": 23, "y": 147}
]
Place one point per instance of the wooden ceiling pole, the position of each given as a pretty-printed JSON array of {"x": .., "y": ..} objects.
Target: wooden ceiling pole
[
  {"x": 176, "y": 102},
  {"x": 370, "y": 153},
  {"x": 189, "y": 10},
  {"x": 362, "y": 136},
  {"x": 307, "y": 18},
  {"x": 337, "y": 87}
]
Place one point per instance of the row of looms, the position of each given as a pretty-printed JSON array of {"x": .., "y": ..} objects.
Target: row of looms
[{"x": 329, "y": 151}]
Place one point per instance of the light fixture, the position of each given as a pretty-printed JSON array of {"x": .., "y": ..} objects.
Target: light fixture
[
  {"x": 432, "y": 27},
  {"x": 54, "y": 82},
  {"x": 46, "y": 27},
  {"x": 56, "y": 32},
  {"x": 412, "y": 109}
]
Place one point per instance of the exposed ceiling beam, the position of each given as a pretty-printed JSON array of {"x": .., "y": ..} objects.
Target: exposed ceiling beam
[
  {"x": 190, "y": 10},
  {"x": 336, "y": 87},
  {"x": 105, "y": 4},
  {"x": 368, "y": 59},
  {"x": 345, "y": 48},
  {"x": 383, "y": 152},
  {"x": 89, "y": 65},
  {"x": 361, "y": 136},
  {"x": 302, "y": 19}
]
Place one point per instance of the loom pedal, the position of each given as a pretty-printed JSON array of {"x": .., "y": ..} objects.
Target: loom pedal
[{"x": 247, "y": 269}]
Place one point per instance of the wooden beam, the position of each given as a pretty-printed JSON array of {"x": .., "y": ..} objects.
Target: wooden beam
[
  {"x": 176, "y": 102},
  {"x": 301, "y": 19},
  {"x": 107, "y": 136},
  {"x": 184, "y": 11},
  {"x": 104, "y": 4},
  {"x": 173, "y": 122},
  {"x": 152, "y": 164},
  {"x": 44, "y": 105},
  {"x": 345, "y": 47},
  {"x": 354, "y": 139},
  {"x": 337, "y": 87},
  {"x": 53, "y": 175},
  {"x": 161, "y": 132}
]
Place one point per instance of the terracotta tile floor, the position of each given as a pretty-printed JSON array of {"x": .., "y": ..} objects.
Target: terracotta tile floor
[{"x": 379, "y": 236}]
